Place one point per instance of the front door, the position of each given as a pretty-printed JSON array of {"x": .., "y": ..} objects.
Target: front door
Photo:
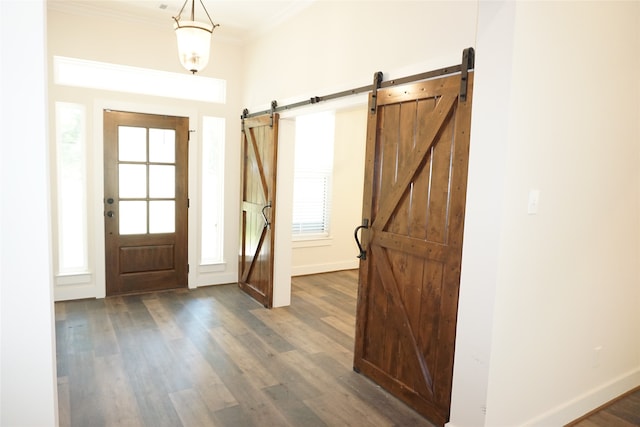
[
  {"x": 258, "y": 197},
  {"x": 414, "y": 200},
  {"x": 145, "y": 201}
]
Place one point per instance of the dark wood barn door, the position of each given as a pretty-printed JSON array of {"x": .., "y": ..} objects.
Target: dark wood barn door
[
  {"x": 414, "y": 200},
  {"x": 145, "y": 201},
  {"x": 257, "y": 213}
]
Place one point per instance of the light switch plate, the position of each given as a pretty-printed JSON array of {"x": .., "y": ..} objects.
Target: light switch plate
[{"x": 534, "y": 199}]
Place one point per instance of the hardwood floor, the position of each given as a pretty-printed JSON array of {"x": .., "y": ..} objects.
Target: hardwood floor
[
  {"x": 214, "y": 357},
  {"x": 621, "y": 412}
]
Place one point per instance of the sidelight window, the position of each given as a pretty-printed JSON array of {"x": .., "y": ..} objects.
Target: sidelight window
[
  {"x": 212, "y": 231},
  {"x": 71, "y": 188}
]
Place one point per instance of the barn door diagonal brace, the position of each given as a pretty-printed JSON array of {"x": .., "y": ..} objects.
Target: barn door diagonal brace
[{"x": 468, "y": 60}]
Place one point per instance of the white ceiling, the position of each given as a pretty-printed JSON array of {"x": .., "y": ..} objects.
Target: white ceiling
[{"x": 239, "y": 19}]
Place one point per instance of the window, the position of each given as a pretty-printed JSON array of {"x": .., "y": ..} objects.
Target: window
[
  {"x": 71, "y": 188},
  {"x": 147, "y": 180},
  {"x": 212, "y": 190},
  {"x": 122, "y": 78},
  {"x": 312, "y": 174}
]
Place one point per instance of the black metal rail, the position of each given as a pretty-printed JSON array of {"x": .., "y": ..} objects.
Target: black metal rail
[{"x": 468, "y": 62}]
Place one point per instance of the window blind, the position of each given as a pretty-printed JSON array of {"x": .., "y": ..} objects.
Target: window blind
[{"x": 312, "y": 174}]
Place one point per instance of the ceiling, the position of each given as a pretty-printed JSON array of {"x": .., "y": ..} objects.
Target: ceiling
[{"x": 239, "y": 20}]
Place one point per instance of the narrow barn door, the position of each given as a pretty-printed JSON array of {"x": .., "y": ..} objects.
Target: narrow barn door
[
  {"x": 414, "y": 200},
  {"x": 258, "y": 195},
  {"x": 145, "y": 201}
]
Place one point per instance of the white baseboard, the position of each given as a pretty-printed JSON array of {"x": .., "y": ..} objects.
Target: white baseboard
[
  {"x": 72, "y": 292},
  {"x": 588, "y": 401},
  {"x": 69, "y": 288},
  {"x": 208, "y": 279},
  {"x": 582, "y": 404},
  {"x": 302, "y": 270}
]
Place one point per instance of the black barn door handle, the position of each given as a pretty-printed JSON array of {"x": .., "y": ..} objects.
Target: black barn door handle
[
  {"x": 267, "y": 224},
  {"x": 365, "y": 225}
]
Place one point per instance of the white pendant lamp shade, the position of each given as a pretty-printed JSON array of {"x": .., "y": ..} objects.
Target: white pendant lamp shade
[
  {"x": 194, "y": 44},
  {"x": 194, "y": 38}
]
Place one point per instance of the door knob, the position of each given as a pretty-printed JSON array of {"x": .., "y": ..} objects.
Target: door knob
[{"x": 110, "y": 214}]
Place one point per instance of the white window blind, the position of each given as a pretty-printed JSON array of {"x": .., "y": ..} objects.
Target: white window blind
[{"x": 312, "y": 174}]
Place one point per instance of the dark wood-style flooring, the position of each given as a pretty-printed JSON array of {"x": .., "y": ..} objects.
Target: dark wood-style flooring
[
  {"x": 214, "y": 357},
  {"x": 621, "y": 412}
]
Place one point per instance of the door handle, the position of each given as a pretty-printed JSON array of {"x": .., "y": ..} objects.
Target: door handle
[
  {"x": 110, "y": 214},
  {"x": 365, "y": 225},
  {"x": 267, "y": 224}
]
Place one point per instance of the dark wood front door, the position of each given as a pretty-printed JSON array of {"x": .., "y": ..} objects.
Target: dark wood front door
[
  {"x": 257, "y": 213},
  {"x": 145, "y": 201},
  {"x": 414, "y": 199}
]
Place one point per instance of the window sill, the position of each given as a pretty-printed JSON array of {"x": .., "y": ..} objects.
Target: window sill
[
  {"x": 72, "y": 279},
  {"x": 312, "y": 241},
  {"x": 212, "y": 268}
]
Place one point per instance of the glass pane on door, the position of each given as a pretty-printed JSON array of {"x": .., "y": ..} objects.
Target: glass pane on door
[
  {"x": 162, "y": 145},
  {"x": 132, "y": 144},
  {"x": 133, "y": 217},
  {"x": 162, "y": 181},
  {"x": 132, "y": 181},
  {"x": 162, "y": 216}
]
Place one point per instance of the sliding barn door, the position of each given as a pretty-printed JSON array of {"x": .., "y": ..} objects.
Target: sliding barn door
[
  {"x": 258, "y": 195},
  {"x": 414, "y": 200}
]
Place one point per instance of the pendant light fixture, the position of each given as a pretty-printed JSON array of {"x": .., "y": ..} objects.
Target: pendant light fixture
[{"x": 194, "y": 39}]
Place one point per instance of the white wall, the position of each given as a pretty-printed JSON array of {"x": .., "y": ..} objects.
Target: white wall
[
  {"x": 141, "y": 44},
  {"x": 337, "y": 45},
  {"x": 566, "y": 328},
  {"x": 27, "y": 360},
  {"x": 283, "y": 213},
  {"x": 483, "y": 217}
]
